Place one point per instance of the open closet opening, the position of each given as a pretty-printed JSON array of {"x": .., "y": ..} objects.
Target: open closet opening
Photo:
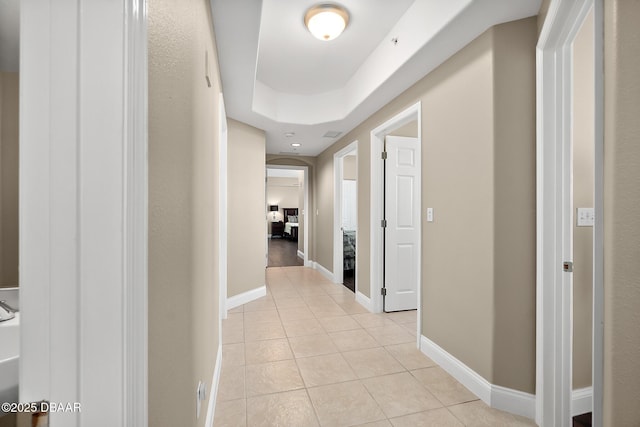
[{"x": 345, "y": 217}]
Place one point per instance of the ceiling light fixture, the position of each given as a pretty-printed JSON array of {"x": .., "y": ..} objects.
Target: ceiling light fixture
[
  {"x": 289, "y": 134},
  {"x": 296, "y": 144},
  {"x": 326, "y": 21}
]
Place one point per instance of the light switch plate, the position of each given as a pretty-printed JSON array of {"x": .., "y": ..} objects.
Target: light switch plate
[
  {"x": 429, "y": 214},
  {"x": 586, "y": 217}
]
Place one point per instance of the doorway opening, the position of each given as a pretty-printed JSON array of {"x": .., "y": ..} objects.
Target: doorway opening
[
  {"x": 345, "y": 216},
  {"x": 390, "y": 218},
  {"x": 287, "y": 194},
  {"x": 569, "y": 342}
]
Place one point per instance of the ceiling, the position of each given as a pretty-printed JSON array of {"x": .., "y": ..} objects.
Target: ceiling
[
  {"x": 9, "y": 35},
  {"x": 279, "y": 78}
]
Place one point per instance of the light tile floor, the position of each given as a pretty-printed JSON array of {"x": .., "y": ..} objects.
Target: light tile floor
[{"x": 307, "y": 354}]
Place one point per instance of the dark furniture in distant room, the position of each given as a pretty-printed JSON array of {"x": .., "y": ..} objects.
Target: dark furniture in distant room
[
  {"x": 291, "y": 223},
  {"x": 277, "y": 229}
]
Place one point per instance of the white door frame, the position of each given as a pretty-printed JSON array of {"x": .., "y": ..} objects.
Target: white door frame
[
  {"x": 83, "y": 209},
  {"x": 338, "y": 176},
  {"x": 554, "y": 121},
  {"x": 376, "y": 256},
  {"x": 305, "y": 170}
]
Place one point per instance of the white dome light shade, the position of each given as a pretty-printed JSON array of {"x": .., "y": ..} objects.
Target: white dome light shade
[{"x": 326, "y": 21}]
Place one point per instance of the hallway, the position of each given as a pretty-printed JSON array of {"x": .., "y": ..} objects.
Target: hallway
[{"x": 307, "y": 354}]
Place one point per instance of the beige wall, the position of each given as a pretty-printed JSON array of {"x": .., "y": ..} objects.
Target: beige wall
[
  {"x": 350, "y": 168},
  {"x": 621, "y": 213},
  {"x": 309, "y": 162},
  {"x": 324, "y": 207},
  {"x": 583, "y": 168},
  {"x": 9, "y": 123},
  {"x": 409, "y": 130},
  {"x": 246, "y": 206},
  {"x": 183, "y": 209},
  {"x": 478, "y": 136},
  {"x": 514, "y": 205}
]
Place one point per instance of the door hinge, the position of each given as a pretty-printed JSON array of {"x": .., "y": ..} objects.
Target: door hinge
[
  {"x": 567, "y": 266},
  {"x": 383, "y": 292},
  {"x": 383, "y": 155},
  {"x": 383, "y": 223}
]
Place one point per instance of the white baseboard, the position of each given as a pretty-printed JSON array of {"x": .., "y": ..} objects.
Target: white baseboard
[
  {"x": 300, "y": 254},
  {"x": 364, "y": 301},
  {"x": 513, "y": 401},
  {"x": 245, "y": 297},
  {"x": 581, "y": 401},
  {"x": 461, "y": 372},
  {"x": 326, "y": 273},
  {"x": 505, "y": 399},
  {"x": 213, "y": 395}
]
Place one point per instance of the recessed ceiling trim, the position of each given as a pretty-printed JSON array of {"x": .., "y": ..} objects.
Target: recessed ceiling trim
[
  {"x": 417, "y": 27},
  {"x": 238, "y": 24},
  {"x": 299, "y": 109}
]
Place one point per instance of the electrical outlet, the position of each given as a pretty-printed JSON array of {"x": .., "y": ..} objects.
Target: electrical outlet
[{"x": 201, "y": 394}]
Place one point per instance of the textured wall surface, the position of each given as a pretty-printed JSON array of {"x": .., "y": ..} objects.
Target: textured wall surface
[
  {"x": 583, "y": 190},
  {"x": 515, "y": 205},
  {"x": 246, "y": 202},
  {"x": 183, "y": 209},
  {"x": 621, "y": 213}
]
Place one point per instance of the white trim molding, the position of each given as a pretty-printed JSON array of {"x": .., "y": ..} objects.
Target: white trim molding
[
  {"x": 300, "y": 254},
  {"x": 324, "y": 271},
  {"x": 554, "y": 85},
  {"x": 136, "y": 223},
  {"x": 581, "y": 401},
  {"x": 215, "y": 383},
  {"x": 461, "y": 372},
  {"x": 83, "y": 209},
  {"x": 364, "y": 301},
  {"x": 513, "y": 401},
  {"x": 502, "y": 398},
  {"x": 245, "y": 297}
]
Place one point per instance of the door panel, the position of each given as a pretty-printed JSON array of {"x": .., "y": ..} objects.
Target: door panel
[{"x": 402, "y": 234}]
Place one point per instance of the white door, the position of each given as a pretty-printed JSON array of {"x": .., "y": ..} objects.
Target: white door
[
  {"x": 349, "y": 205},
  {"x": 402, "y": 214}
]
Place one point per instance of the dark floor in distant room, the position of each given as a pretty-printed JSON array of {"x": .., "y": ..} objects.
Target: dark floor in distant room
[
  {"x": 283, "y": 253},
  {"x": 583, "y": 420},
  {"x": 349, "y": 280}
]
